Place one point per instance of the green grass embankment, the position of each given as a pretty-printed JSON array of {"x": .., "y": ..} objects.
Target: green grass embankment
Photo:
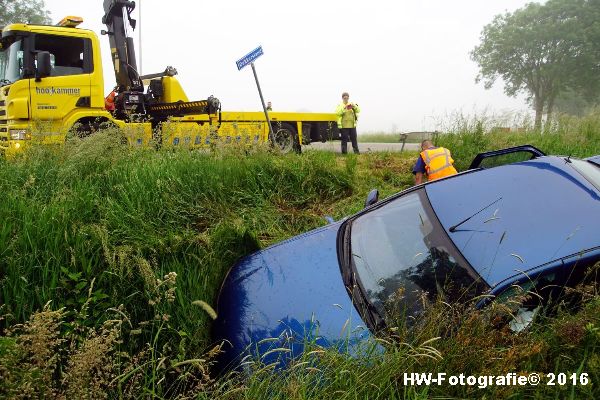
[{"x": 110, "y": 259}]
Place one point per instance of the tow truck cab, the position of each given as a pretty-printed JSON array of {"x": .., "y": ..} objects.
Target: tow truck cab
[{"x": 50, "y": 77}]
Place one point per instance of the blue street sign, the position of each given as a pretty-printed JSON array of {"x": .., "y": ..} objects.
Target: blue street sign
[
  {"x": 248, "y": 58},
  {"x": 241, "y": 63}
]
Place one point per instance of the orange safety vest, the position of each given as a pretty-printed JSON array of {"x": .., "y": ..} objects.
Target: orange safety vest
[{"x": 438, "y": 163}]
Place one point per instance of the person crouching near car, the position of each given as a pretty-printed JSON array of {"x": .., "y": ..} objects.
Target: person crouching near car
[
  {"x": 347, "y": 114},
  {"x": 435, "y": 162}
]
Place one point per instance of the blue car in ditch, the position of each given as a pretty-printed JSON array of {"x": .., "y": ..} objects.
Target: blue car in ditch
[{"x": 477, "y": 233}]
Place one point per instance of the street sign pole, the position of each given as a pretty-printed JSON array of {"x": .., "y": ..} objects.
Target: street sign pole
[
  {"x": 262, "y": 100},
  {"x": 249, "y": 59}
]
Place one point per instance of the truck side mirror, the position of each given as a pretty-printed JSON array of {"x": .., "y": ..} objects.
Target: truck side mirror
[
  {"x": 372, "y": 198},
  {"x": 43, "y": 67}
]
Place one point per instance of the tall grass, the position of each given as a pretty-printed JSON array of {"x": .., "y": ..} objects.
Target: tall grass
[
  {"x": 567, "y": 135},
  {"x": 449, "y": 339},
  {"x": 111, "y": 257}
]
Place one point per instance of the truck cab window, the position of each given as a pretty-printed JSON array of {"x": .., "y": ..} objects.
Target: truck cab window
[{"x": 67, "y": 54}]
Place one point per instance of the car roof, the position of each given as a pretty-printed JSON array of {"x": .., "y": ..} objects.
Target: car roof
[{"x": 532, "y": 212}]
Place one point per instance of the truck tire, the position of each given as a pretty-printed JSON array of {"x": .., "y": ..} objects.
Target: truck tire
[
  {"x": 286, "y": 138},
  {"x": 307, "y": 129},
  {"x": 87, "y": 127}
]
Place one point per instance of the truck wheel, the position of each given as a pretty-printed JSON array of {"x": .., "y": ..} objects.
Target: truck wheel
[
  {"x": 81, "y": 129},
  {"x": 286, "y": 138},
  {"x": 307, "y": 129},
  {"x": 87, "y": 127}
]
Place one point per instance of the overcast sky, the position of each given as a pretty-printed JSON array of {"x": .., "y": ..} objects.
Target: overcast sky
[{"x": 406, "y": 63}]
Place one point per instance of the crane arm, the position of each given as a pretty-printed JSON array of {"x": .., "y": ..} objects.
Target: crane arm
[{"x": 117, "y": 18}]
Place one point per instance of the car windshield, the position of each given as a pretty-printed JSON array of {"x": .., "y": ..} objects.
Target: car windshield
[
  {"x": 11, "y": 63},
  {"x": 403, "y": 257}
]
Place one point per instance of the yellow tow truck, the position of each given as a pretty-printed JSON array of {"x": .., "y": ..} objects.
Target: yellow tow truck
[{"x": 51, "y": 83}]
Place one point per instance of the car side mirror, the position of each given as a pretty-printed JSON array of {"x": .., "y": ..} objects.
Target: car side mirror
[
  {"x": 44, "y": 67},
  {"x": 372, "y": 198}
]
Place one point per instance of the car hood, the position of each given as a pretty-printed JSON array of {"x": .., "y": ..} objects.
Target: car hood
[{"x": 285, "y": 295}]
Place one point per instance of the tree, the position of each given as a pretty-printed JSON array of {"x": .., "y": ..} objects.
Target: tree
[
  {"x": 542, "y": 51},
  {"x": 25, "y": 11}
]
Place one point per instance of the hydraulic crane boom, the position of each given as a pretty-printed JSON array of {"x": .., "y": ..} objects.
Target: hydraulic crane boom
[
  {"x": 118, "y": 20},
  {"x": 130, "y": 88}
]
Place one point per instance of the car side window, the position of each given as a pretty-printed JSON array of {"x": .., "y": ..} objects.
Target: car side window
[
  {"x": 505, "y": 159},
  {"x": 565, "y": 284},
  {"x": 510, "y": 155},
  {"x": 520, "y": 304}
]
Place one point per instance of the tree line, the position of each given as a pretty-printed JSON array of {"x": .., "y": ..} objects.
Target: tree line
[{"x": 550, "y": 52}]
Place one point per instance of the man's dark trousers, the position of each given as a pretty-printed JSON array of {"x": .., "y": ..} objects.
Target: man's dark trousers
[{"x": 345, "y": 133}]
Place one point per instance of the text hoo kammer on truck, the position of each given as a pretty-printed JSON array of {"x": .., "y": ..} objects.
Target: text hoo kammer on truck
[{"x": 52, "y": 83}]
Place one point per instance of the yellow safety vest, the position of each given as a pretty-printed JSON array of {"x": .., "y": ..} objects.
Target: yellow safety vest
[
  {"x": 438, "y": 163},
  {"x": 341, "y": 109}
]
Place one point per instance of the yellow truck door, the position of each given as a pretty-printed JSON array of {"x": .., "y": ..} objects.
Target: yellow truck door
[{"x": 67, "y": 88}]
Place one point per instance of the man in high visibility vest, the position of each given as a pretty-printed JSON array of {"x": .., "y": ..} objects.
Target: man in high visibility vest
[
  {"x": 347, "y": 114},
  {"x": 435, "y": 162}
]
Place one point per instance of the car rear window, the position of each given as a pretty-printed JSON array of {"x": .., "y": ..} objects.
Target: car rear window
[{"x": 589, "y": 170}]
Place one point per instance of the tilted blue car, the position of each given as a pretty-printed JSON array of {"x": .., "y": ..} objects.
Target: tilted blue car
[{"x": 478, "y": 232}]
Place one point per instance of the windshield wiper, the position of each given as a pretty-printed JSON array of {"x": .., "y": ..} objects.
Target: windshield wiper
[
  {"x": 453, "y": 227},
  {"x": 373, "y": 318}
]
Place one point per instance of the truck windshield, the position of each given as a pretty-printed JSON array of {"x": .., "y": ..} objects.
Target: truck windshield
[
  {"x": 402, "y": 258},
  {"x": 11, "y": 63}
]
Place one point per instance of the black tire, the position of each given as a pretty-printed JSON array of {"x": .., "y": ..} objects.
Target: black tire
[
  {"x": 87, "y": 127},
  {"x": 307, "y": 132},
  {"x": 81, "y": 129},
  {"x": 286, "y": 137}
]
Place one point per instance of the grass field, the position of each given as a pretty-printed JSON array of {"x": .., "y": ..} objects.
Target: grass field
[{"x": 111, "y": 259}]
